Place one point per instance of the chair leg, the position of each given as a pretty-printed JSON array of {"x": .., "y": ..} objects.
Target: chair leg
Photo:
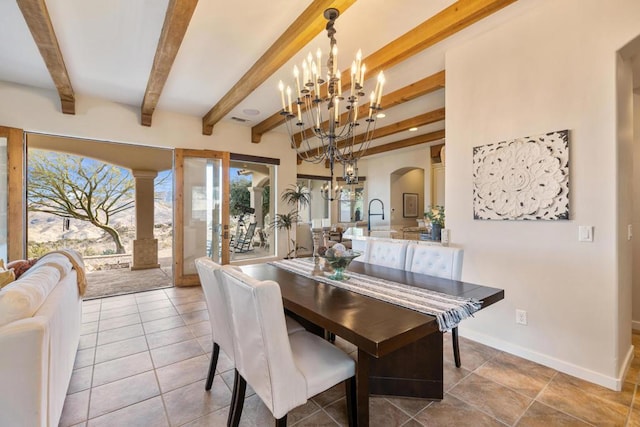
[
  {"x": 212, "y": 366},
  {"x": 456, "y": 346},
  {"x": 237, "y": 400},
  {"x": 281, "y": 422},
  {"x": 352, "y": 409}
]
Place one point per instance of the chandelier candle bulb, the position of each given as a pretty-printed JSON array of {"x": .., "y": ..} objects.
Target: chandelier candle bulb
[
  {"x": 289, "y": 98},
  {"x": 336, "y": 110},
  {"x": 358, "y": 64},
  {"x": 361, "y": 80},
  {"x": 296, "y": 74},
  {"x": 381, "y": 81},
  {"x": 281, "y": 87},
  {"x": 339, "y": 84},
  {"x": 299, "y": 114},
  {"x": 354, "y": 76}
]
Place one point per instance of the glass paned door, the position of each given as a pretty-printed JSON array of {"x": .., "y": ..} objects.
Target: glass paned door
[
  {"x": 4, "y": 185},
  {"x": 12, "y": 200},
  {"x": 201, "y": 211}
]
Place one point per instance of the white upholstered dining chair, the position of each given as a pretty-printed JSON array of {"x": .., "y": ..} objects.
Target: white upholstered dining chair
[
  {"x": 219, "y": 315},
  {"x": 386, "y": 253},
  {"x": 283, "y": 370},
  {"x": 439, "y": 261}
]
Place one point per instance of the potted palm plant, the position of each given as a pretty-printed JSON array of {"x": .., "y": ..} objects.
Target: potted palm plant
[
  {"x": 298, "y": 196},
  {"x": 435, "y": 215},
  {"x": 286, "y": 222}
]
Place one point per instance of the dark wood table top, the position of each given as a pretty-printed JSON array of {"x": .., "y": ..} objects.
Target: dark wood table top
[{"x": 374, "y": 326}]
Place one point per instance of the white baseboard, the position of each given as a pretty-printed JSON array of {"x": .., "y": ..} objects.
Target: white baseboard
[{"x": 557, "y": 364}]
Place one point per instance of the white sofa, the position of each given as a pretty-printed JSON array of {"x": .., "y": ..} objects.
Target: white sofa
[{"x": 40, "y": 317}]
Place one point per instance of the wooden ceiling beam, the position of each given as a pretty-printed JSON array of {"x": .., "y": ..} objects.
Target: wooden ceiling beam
[
  {"x": 401, "y": 126},
  {"x": 176, "y": 22},
  {"x": 414, "y": 90},
  {"x": 37, "y": 17},
  {"x": 404, "y": 143},
  {"x": 447, "y": 22},
  {"x": 304, "y": 29}
]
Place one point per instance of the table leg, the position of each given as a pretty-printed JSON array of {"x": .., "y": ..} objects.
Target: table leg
[{"x": 362, "y": 388}]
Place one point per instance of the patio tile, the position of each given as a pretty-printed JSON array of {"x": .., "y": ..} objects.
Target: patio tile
[
  {"x": 120, "y": 349},
  {"x": 172, "y": 353},
  {"x": 452, "y": 412},
  {"x": 526, "y": 377},
  {"x": 163, "y": 324},
  {"x": 146, "y": 413},
  {"x": 75, "y": 409},
  {"x": 492, "y": 398},
  {"x": 84, "y": 358},
  {"x": 120, "y": 334},
  {"x": 158, "y": 339},
  {"x": 122, "y": 393},
  {"x": 80, "y": 379},
  {"x": 123, "y": 367},
  {"x": 588, "y": 402},
  {"x": 117, "y": 312},
  {"x": 182, "y": 373},
  {"x": 87, "y": 341},
  {"x": 119, "y": 322},
  {"x": 89, "y": 328},
  {"x": 201, "y": 328},
  {"x": 195, "y": 316},
  {"x": 192, "y": 306},
  {"x": 540, "y": 415},
  {"x": 191, "y": 402},
  {"x": 159, "y": 313},
  {"x": 153, "y": 305}
]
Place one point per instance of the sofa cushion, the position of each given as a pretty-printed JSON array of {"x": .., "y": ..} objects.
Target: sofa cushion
[
  {"x": 24, "y": 297},
  {"x": 21, "y": 266},
  {"x": 6, "y": 277}
]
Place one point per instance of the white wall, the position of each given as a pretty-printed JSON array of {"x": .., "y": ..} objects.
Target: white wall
[
  {"x": 624, "y": 148},
  {"x": 552, "y": 68},
  {"x": 38, "y": 110},
  {"x": 636, "y": 212}
]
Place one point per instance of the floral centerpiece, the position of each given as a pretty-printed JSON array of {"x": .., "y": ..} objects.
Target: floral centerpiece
[
  {"x": 435, "y": 215},
  {"x": 339, "y": 258}
]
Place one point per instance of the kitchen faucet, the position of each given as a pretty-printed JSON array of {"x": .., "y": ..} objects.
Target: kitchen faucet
[{"x": 373, "y": 214}]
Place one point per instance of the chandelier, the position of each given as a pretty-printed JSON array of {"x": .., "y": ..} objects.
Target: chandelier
[{"x": 322, "y": 120}]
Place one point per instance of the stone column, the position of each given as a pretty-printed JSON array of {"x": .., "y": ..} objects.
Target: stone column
[{"x": 145, "y": 247}]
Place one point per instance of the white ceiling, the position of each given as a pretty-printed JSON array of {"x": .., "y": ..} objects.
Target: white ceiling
[{"x": 109, "y": 46}]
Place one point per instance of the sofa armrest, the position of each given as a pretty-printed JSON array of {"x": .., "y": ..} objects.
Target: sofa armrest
[{"x": 24, "y": 355}]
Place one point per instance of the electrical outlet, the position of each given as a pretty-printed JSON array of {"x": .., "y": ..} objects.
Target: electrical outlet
[{"x": 521, "y": 317}]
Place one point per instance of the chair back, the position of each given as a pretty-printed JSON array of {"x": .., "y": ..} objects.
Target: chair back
[
  {"x": 263, "y": 353},
  {"x": 386, "y": 253},
  {"x": 209, "y": 273},
  {"x": 304, "y": 239},
  {"x": 440, "y": 261}
]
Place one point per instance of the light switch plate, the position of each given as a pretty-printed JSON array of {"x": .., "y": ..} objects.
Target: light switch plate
[{"x": 585, "y": 233}]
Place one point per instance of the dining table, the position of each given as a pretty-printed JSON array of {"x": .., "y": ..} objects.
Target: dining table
[{"x": 399, "y": 350}]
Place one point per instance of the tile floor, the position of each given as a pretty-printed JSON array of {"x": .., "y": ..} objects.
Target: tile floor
[{"x": 143, "y": 360}]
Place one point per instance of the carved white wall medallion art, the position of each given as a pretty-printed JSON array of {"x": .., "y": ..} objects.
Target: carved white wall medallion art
[{"x": 522, "y": 179}]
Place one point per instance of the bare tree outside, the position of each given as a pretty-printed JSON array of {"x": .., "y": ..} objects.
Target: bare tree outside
[{"x": 79, "y": 188}]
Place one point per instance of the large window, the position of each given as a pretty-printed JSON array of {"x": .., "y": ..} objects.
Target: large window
[{"x": 319, "y": 205}]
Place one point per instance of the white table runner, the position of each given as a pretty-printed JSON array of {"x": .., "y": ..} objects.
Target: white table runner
[{"x": 449, "y": 310}]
